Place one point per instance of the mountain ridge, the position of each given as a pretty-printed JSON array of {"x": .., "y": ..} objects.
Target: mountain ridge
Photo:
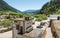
[
  {"x": 30, "y": 11},
  {"x": 6, "y": 7},
  {"x": 51, "y": 7}
]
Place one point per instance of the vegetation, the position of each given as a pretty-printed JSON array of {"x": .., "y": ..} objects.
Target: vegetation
[
  {"x": 6, "y": 23},
  {"x": 40, "y": 17},
  {"x": 11, "y": 13},
  {"x": 5, "y": 7},
  {"x": 52, "y": 7}
]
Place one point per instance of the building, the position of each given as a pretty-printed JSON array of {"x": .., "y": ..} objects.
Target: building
[{"x": 22, "y": 28}]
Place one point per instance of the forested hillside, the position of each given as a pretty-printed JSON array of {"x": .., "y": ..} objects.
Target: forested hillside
[
  {"x": 52, "y": 7},
  {"x": 4, "y": 7}
]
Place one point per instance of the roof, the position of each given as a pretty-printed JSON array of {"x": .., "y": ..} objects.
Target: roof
[
  {"x": 53, "y": 16},
  {"x": 34, "y": 33}
]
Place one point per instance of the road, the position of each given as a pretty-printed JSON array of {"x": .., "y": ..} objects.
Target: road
[{"x": 6, "y": 34}]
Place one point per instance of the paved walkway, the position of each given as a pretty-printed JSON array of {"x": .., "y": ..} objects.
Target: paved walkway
[
  {"x": 6, "y": 34},
  {"x": 49, "y": 34}
]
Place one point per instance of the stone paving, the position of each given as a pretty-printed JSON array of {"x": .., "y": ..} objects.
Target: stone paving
[
  {"x": 6, "y": 34},
  {"x": 48, "y": 34},
  {"x": 9, "y": 34}
]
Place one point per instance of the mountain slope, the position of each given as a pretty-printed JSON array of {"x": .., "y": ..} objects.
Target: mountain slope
[
  {"x": 31, "y": 11},
  {"x": 52, "y": 7},
  {"x": 5, "y": 7}
]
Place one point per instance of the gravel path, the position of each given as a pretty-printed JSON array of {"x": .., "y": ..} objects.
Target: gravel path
[{"x": 6, "y": 34}]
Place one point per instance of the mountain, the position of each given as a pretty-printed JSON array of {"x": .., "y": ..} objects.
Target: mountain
[
  {"x": 5, "y": 7},
  {"x": 31, "y": 11},
  {"x": 51, "y": 7}
]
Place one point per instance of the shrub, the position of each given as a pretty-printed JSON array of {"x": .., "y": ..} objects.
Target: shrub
[
  {"x": 40, "y": 17},
  {"x": 6, "y": 23}
]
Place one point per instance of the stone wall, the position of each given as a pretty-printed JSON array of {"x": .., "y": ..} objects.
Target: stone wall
[{"x": 55, "y": 28}]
